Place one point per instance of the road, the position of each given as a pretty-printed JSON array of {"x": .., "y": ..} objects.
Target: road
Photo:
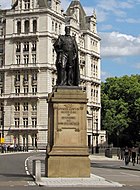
[
  {"x": 110, "y": 170},
  {"x": 13, "y": 175}
]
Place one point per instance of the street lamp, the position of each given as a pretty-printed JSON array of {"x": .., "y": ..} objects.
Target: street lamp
[
  {"x": 92, "y": 150},
  {"x": 2, "y": 110},
  {"x": 97, "y": 134}
]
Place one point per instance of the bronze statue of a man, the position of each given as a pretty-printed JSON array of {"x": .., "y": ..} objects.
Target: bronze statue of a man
[{"x": 67, "y": 60}]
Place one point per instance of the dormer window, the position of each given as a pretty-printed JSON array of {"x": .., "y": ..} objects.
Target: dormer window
[{"x": 27, "y": 4}]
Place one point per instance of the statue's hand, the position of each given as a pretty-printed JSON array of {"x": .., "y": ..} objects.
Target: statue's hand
[{"x": 74, "y": 57}]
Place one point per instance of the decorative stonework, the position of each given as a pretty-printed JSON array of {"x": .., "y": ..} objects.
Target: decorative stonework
[{"x": 67, "y": 142}]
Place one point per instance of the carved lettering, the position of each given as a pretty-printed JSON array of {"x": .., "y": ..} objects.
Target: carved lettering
[{"x": 68, "y": 116}]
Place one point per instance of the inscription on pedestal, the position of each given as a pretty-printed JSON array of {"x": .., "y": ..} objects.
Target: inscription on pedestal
[{"x": 68, "y": 116}]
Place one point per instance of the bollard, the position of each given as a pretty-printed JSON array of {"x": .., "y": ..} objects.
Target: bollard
[{"x": 38, "y": 170}]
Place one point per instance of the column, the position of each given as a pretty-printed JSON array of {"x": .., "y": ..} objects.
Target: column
[
  {"x": 22, "y": 26},
  {"x": 21, "y": 55},
  {"x": 88, "y": 86},
  {"x": 20, "y": 141},
  {"x": 29, "y": 140},
  {"x": 30, "y": 52}
]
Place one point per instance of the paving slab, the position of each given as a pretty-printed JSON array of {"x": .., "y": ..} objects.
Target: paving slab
[{"x": 93, "y": 181}]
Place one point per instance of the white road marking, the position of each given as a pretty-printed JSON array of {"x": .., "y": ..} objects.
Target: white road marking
[
  {"x": 31, "y": 183},
  {"x": 26, "y": 168}
]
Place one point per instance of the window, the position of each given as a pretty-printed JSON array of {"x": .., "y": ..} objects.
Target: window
[
  {"x": 25, "y": 106},
  {"x": 34, "y": 46},
  {"x": 1, "y": 90},
  {"x": 59, "y": 28},
  {"x": 1, "y": 48},
  {"x": 18, "y": 47},
  {"x": 25, "y": 89},
  {"x": 25, "y": 122},
  {"x": 1, "y": 77},
  {"x": 34, "y": 89},
  {"x": 17, "y": 90},
  {"x": 24, "y": 141},
  {"x": 17, "y": 122},
  {"x": 52, "y": 25},
  {"x": 91, "y": 93},
  {"x": 18, "y": 27},
  {"x": 34, "y": 26},
  {"x": 53, "y": 55},
  {"x": 53, "y": 81},
  {"x": 17, "y": 106},
  {"x": 56, "y": 6},
  {"x": 34, "y": 76},
  {"x": 34, "y": 140},
  {"x": 1, "y": 107},
  {"x": 96, "y": 93},
  {"x": 56, "y": 27},
  {"x": 17, "y": 76},
  {"x": 33, "y": 58},
  {"x": 26, "y": 46},
  {"x": 34, "y": 106},
  {"x": 34, "y": 122},
  {"x": 1, "y": 123},
  {"x": 1, "y": 31},
  {"x": 26, "y": 26},
  {"x": 26, "y": 59},
  {"x": 25, "y": 76},
  {"x": 27, "y": 4},
  {"x": 18, "y": 59},
  {"x": 1, "y": 61}
]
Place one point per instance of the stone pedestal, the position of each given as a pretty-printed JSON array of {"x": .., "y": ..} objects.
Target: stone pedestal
[{"x": 67, "y": 153}]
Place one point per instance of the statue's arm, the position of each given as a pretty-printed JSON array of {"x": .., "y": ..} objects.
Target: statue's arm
[{"x": 58, "y": 44}]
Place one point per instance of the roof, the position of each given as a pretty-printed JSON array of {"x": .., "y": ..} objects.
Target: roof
[
  {"x": 41, "y": 3},
  {"x": 82, "y": 15}
]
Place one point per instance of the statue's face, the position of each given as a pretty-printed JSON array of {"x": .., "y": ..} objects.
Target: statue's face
[{"x": 67, "y": 30}]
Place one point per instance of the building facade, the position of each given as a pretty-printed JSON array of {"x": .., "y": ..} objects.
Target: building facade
[{"x": 27, "y": 68}]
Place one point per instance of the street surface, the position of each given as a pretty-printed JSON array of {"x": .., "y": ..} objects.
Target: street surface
[
  {"x": 110, "y": 170},
  {"x": 13, "y": 175}
]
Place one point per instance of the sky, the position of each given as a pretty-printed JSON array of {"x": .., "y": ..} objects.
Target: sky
[{"x": 118, "y": 25}]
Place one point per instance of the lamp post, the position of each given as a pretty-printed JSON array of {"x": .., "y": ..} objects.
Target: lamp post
[
  {"x": 92, "y": 150},
  {"x": 2, "y": 109},
  {"x": 97, "y": 134}
]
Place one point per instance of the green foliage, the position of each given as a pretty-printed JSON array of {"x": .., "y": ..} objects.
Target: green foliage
[{"x": 120, "y": 100}]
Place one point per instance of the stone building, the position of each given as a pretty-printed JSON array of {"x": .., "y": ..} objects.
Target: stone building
[{"x": 28, "y": 73}]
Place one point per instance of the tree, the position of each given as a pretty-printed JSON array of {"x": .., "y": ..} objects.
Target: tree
[{"x": 120, "y": 99}]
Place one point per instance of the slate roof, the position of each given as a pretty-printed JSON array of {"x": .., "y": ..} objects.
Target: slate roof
[{"x": 82, "y": 14}]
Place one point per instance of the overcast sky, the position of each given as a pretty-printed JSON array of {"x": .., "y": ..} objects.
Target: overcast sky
[{"x": 118, "y": 26}]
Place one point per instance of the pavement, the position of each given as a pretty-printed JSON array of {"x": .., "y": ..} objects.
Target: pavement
[
  {"x": 121, "y": 163},
  {"x": 92, "y": 181}
]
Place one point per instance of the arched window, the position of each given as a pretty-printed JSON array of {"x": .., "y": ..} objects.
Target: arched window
[
  {"x": 18, "y": 27},
  {"x": 34, "y": 26},
  {"x": 26, "y": 26},
  {"x": 52, "y": 25}
]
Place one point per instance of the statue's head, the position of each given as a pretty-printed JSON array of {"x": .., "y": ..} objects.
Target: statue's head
[{"x": 67, "y": 30}]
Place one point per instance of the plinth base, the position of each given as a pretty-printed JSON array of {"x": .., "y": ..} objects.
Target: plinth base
[
  {"x": 68, "y": 166},
  {"x": 67, "y": 154}
]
